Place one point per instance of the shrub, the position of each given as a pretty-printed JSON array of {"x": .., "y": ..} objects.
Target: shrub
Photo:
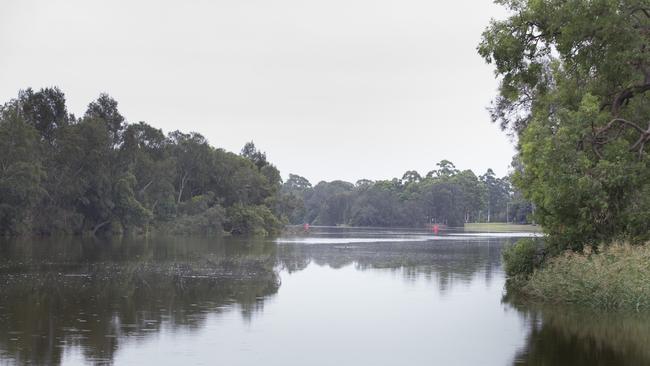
[
  {"x": 208, "y": 222},
  {"x": 196, "y": 204},
  {"x": 617, "y": 276},
  {"x": 251, "y": 220},
  {"x": 522, "y": 258}
]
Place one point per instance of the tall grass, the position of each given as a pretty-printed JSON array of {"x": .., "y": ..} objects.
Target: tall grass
[
  {"x": 501, "y": 227},
  {"x": 616, "y": 276}
]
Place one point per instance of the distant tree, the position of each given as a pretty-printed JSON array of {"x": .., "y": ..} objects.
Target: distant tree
[
  {"x": 296, "y": 183},
  {"x": 249, "y": 151},
  {"x": 411, "y": 176},
  {"x": 364, "y": 183},
  {"x": 329, "y": 203},
  {"x": 20, "y": 172},
  {"x": 45, "y": 110},
  {"x": 498, "y": 195},
  {"x": 105, "y": 109},
  {"x": 192, "y": 154},
  {"x": 100, "y": 175},
  {"x": 445, "y": 169}
]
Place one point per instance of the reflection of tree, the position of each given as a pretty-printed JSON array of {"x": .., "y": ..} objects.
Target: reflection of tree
[
  {"x": 60, "y": 293},
  {"x": 568, "y": 336},
  {"x": 92, "y": 295},
  {"x": 448, "y": 262}
]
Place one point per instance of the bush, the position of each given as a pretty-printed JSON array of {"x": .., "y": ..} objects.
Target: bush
[
  {"x": 196, "y": 204},
  {"x": 617, "y": 276},
  {"x": 208, "y": 222},
  {"x": 522, "y": 258},
  {"x": 251, "y": 220}
]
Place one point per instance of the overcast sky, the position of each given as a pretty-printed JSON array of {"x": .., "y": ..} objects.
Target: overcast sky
[{"x": 336, "y": 89}]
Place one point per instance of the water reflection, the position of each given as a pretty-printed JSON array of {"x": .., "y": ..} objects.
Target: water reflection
[
  {"x": 97, "y": 298},
  {"x": 92, "y": 295},
  {"x": 579, "y": 336},
  {"x": 445, "y": 262}
]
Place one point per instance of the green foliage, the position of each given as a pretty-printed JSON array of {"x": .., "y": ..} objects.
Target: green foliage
[
  {"x": 102, "y": 175},
  {"x": 329, "y": 203},
  {"x": 105, "y": 109},
  {"x": 574, "y": 85},
  {"x": 250, "y": 152},
  {"x": 522, "y": 258},
  {"x": 617, "y": 276},
  {"x": 208, "y": 222},
  {"x": 251, "y": 220},
  {"x": 130, "y": 211},
  {"x": 447, "y": 195},
  {"x": 45, "y": 110},
  {"x": 20, "y": 173}
]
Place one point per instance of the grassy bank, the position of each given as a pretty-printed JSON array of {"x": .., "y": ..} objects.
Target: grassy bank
[
  {"x": 501, "y": 227},
  {"x": 617, "y": 276}
]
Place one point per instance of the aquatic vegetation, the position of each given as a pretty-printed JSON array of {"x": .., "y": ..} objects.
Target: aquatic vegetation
[
  {"x": 522, "y": 258},
  {"x": 616, "y": 276}
]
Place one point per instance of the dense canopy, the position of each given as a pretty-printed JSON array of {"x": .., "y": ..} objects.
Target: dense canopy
[
  {"x": 445, "y": 195},
  {"x": 575, "y": 77},
  {"x": 100, "y": 174}
]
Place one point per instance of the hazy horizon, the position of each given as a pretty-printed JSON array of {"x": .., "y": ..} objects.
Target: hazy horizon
[{"x": 338, "y": 90}]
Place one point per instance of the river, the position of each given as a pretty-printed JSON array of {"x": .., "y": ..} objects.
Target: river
[{"x": 333, "y": 296}]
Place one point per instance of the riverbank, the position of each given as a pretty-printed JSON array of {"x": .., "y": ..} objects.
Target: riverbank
[
  {"x": 612, "y": 277},
  {"x": 501, "y": 227}
]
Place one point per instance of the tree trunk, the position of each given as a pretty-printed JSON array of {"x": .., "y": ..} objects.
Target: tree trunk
[
  {"x": 141, "y": 192},
  {"x": 180, "y": 189},
  {"x": 99, "y": 226}
]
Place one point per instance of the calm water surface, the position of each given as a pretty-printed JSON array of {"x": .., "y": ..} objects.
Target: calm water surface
[{"x": 330, "y": 297}]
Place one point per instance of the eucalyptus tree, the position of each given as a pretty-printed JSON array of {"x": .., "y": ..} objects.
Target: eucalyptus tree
[
  {"x": 575, "y": 77},
  {"x": 192, "y": 155},
  {"x": 105, "y": 109},
  {"x": 101, "y": 174},
  {"x": 44, "y": 109},
  {"x": 21, "y": 172}
]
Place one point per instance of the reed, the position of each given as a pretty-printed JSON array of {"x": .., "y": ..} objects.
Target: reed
[{"x": 614, "y": 276}]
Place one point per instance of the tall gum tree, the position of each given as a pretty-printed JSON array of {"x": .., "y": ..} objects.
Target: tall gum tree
[{"x": 575, "y": 77}]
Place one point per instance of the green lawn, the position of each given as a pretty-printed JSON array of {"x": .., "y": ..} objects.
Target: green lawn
[{"x": 501, "y": 227}]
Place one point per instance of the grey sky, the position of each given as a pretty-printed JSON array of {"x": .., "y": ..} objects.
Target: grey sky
[{"x": 336, "y": 89}]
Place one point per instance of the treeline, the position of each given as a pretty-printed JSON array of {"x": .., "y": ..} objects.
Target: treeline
[
  {"x": 98, "y": 174},
  {"x": 445, "y": 195}
]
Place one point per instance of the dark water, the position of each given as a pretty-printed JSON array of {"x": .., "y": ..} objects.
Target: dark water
[{"x": 334, "y": 297}]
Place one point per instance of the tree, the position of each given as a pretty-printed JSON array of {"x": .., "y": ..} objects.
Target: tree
[
  {"x": 20, "y": 172},
  {"x": 411, "y": 176},
  {"x": 105, "y": 109},
  {"x": 574, "y": 83},
  {"x": 249, "y": 151},
  {"x": 328, "y": 203},
  {"x": 45, "y": 110},
  {"x": 471, "y": 194},
  {"x": 192, "y": 154},
  {"x": 291, "y": 201},
  {"x": 497, "y": 191},
  {"x": 128, "y": 209},
  {"x": 445, "y": 169},
  {"x": 101, "y": 175},
  {"x": 146, "y": 154},
  {"x": 88, "y": 152},
  {"x": 296, "y": 183}
]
